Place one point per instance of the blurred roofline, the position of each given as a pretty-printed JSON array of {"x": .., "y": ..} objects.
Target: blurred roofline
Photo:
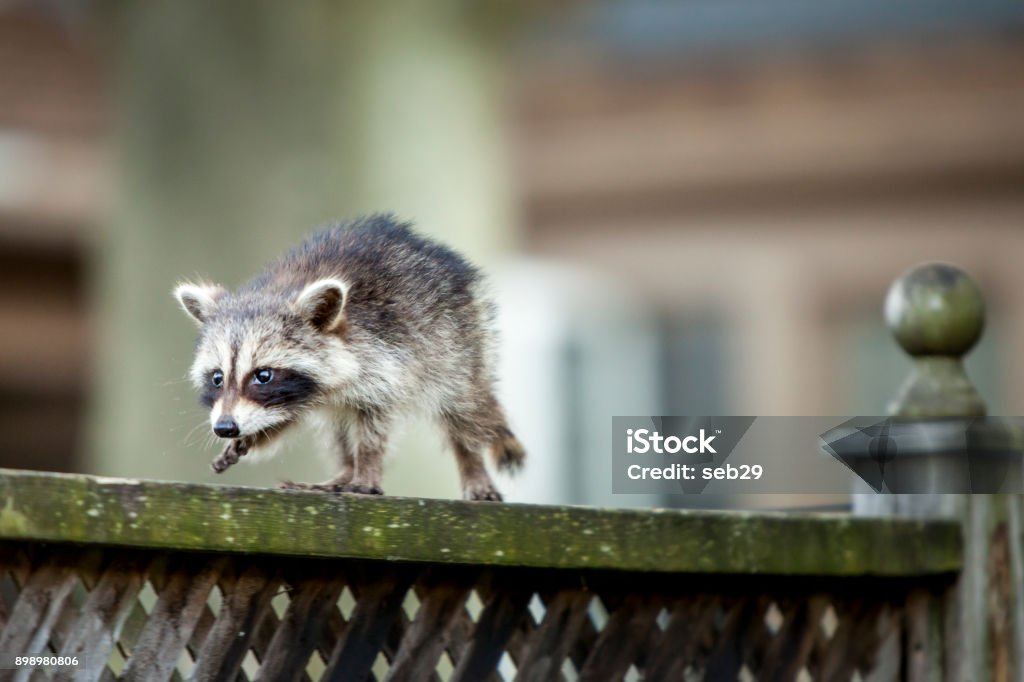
[{"x": 649, "y": 29}]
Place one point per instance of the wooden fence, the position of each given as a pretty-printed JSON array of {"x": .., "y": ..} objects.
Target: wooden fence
[
  {"x": 156, "y": 581},
  {"x": 146, "y": 580}
]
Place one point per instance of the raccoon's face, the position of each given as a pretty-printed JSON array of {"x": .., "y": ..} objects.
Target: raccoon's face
[{"x": 261, "y": 361}]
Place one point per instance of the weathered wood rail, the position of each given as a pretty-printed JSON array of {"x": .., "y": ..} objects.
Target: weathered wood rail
[{"x": 153, "y": 581}]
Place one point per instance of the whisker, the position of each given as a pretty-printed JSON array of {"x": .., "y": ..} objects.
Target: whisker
[
  {"x": 193, "y": 432},
  {"x": 211, "y": 441}
]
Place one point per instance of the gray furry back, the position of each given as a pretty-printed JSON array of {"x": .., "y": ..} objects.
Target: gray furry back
[
  {"x": 412, "y": 304},
  {"x": 401, "y": 283}
]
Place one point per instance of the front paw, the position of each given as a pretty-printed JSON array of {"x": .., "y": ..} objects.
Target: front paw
[
  {"x": 360, "y": 489},
  {"x": 235, "y": 450},
  {"x": 285, "y": 484},
  {"x": 487, "y": 494},
  {"x": 328, "y": 487}
]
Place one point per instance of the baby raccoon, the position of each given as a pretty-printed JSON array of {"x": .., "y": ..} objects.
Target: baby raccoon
[{"x": 364, "y": 323}]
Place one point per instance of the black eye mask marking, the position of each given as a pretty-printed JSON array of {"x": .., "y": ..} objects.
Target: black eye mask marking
[
  {"x": 288, "y": 387},
  {"x": 209, "y": 395}
]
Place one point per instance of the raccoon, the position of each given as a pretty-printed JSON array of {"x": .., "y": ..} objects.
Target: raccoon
[{"x": 362, "y": 325}]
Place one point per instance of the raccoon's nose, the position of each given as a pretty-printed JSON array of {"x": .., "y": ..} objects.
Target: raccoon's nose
[{"x": 226, "y": 427}]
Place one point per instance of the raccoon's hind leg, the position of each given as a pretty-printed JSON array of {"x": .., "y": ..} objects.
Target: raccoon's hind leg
[
  {"x": 476, "y": 482},
  {"x": 473, "y": 431}
]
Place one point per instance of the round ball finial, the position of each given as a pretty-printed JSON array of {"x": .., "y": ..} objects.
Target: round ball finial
[{"x": 935, "y": 309}]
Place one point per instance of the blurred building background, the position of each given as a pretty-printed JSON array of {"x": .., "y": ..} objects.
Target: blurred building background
[{"x": 687, "y": 208}]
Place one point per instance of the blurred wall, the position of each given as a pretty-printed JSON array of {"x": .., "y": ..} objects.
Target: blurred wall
[
  {"x": 688, "y": 208},
  {"x": 240, "y": 127},
  {"x": 762, "y": 172},
  {"x": 52, "y": 126}
]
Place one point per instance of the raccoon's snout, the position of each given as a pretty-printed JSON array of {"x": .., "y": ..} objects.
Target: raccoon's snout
[{"x": 226, "y": 427}]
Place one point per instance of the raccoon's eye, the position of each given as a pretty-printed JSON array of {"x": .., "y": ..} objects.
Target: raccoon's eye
[
  {"x": 262, "y": 376},
  {"x": 217, "y": 378}
]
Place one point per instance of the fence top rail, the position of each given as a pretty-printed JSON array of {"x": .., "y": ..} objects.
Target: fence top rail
[{"x": 47, "y": 507}]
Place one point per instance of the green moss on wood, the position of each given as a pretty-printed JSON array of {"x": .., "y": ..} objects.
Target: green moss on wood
[{"x": 83, "y": 509}]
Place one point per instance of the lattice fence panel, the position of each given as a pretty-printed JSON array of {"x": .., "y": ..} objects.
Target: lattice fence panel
[{"x": 147, "y": 616}]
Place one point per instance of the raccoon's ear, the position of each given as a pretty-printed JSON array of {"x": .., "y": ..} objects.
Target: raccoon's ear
[
  {"x": 322, "y": 304},
  {"x": 199, "y": 300}
]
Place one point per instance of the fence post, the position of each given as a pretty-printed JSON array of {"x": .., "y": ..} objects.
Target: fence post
[{"x": 936, "y": 313}]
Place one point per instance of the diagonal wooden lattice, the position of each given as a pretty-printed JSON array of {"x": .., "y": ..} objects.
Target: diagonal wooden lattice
[{"x": 145, "y": 615}]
